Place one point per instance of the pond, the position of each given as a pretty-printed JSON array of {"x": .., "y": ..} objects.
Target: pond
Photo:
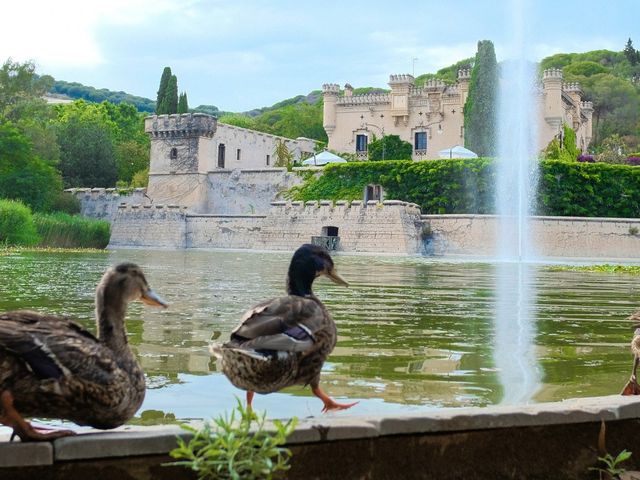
[{"x": 414, "y": 333}]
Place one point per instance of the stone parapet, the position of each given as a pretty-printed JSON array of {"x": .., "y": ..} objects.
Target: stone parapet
[
  {"x": 180, "y": 125},
  {"x": 138, "y": 225},
  {"x": 102, "y": 203}
]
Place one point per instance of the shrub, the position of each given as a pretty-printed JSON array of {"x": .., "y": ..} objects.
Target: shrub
[
  {"x": 565, "y": 188},
  {"x": 66, "y": 202},
  {"x": 16, "y": 224},
  {"x": 71, "y": 231},
  {"x": 231, "y": 449}
]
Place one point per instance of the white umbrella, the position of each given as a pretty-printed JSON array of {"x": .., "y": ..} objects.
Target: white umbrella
[
  {"x": 323, "y": 158},
  {"x": 457, "y": 152}
]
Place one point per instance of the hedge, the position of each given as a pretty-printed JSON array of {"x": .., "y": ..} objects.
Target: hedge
[
  {"x": 467, "y": 186},
  {"x": 16, "y": 224}
]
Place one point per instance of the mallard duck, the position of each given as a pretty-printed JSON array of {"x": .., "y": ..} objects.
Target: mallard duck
[
  {"x": 632, "y": 387},
  {"x": 284, "y": 341},
  {"x": 52, "y": 367}
]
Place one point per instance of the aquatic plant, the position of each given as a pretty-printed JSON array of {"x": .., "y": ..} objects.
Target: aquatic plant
[{"x": 230, "y": 448}]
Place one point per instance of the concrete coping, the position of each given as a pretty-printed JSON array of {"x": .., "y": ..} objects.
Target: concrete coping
[
  {"x": 158, "y": 440},
  {"x": 341, "y": 203},
  {"x": 297, "y": 203},
  {"x": 393, "y": 202},
  {"x": 279, "y": 203},
  {"x": 109, "y": 190},
  {"x": 326, "y": 203},
  {"x": 312, "y": 203},
  {"x": 143, "y": 206},
  {"x": 372, "y": 203},
  {"x": 99, "y": 190},
  {"x": 356, "y": 203}
]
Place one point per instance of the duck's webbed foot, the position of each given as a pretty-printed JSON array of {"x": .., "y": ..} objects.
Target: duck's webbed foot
[
  {"x": 23, "y": 429},
  {"x": 329, "y": 403}
]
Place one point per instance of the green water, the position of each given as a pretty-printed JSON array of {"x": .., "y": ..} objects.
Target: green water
[{"x": 414, "y": 333}]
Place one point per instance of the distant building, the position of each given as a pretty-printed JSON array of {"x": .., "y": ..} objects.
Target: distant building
[
  {"x": 431, "y": 117},
  {"x": 190, "y": 150}
]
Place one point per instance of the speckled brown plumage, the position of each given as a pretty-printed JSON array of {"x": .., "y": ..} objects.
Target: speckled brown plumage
[
  {"x": 285, "y": 341},
  {"x": 54, "y": 368}
]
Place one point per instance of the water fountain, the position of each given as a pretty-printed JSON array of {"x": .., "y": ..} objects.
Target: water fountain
[{"x": 515, "y": 320}]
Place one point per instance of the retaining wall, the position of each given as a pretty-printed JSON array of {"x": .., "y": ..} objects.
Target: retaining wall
[
  {"x": 566, "y": 237},
  {"x": 149, "y": 226},
  {"x": 103, "y": 203},
  {"x": 222, "y": 231}
]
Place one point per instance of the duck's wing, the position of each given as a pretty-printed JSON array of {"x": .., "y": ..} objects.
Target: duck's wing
[
  {"x": 281, "y": 324},
  {"x": 55, "y": 347}
]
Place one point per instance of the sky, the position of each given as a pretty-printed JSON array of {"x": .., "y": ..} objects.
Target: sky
[{"x": 245, "y": 54}]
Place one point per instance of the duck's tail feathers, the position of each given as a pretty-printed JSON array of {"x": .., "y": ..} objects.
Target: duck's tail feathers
[{"x": 215, "y": 349}]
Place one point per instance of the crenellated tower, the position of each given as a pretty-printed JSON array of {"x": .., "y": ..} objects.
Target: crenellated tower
[
  {"x": 181, "y": 150},
  {"x": 330, "y": 94}
]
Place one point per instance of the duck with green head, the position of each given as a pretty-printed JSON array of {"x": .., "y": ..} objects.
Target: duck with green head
[{"x": 285, "y": 341}]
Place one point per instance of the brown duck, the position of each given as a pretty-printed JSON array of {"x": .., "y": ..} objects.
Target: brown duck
[
  {"x": 285, "y": 341},
  {"x": 52, "y": 367},
  {"x": 632, "y": 387}
]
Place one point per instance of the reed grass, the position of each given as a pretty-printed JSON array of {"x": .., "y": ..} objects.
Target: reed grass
[{"x": 71, "y": 231}]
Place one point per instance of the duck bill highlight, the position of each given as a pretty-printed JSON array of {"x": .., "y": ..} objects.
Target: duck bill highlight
[
  {"x": 152, "y": 298},
  {"x": 335, "y": 278}
]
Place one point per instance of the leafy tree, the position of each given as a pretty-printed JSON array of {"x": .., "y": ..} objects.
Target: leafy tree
[
  {"x": 631, "y": 53},
  {"x": 239, "y": 120},
  {"x": 76, "y": 90},
  {"x": 20, "y": 86},
  {"x": 612, "y": 150},
  {"x": 389, "y": 147},
  {"x": 208, "y": 109},
  {"x": 162, "y": 90},
  {"x": 585, "y": 68},
  {"x": 131, "y": 157},
  {"x": 480, "y": 109},
  {"x": 183, "y": 104},
  {"x": 283, "y": 156},
  {"x": 87, "y": 157},
  {"x": 23, "y": 175}
]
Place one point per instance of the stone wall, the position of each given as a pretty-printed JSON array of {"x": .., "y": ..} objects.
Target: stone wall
[
  {"x": 103, "y": 203},
  {"x": 149, "y": 226},
  {"x": 247, "y": 191},
  {"x": 222, "y": 231},
  {"x": 566, "y": 237},
  {"x": 388, "y": 227}
]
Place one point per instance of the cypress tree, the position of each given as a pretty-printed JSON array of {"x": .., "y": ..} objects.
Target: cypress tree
[
  {"x": 481, "y": 105},
  {"x": 162, "y": 90},
  {"x": 171, "y": 95},
  {"x": 631, "y": 53},
  {"x": 183, "y": 105}
]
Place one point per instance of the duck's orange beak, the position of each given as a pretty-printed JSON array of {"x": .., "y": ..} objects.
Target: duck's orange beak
[{"x": 152, "y": 298}]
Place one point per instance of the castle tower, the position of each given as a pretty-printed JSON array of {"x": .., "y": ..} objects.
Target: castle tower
[
  {"x": 181, "y": 150},
  {"x": 330, "y": 93},
  {"x": 464, "y": 79},
  {"x": 552, "y": 103},
  {"x": 587, "y": 110},
  {"x": 400, "y": 87}
]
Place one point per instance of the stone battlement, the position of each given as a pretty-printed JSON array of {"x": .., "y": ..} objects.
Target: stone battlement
[
  {"x": 181, "y": 125},
  {"x": 572, "y": 87},
  {"x": 103, "y": 203},
  {"x": 464, "y": 74},
  {"x": 365, "y": 99},
  {"x": 552, "y": 73},
  {"x": 342, "y": 205},
  {"x": 331, "y": 88},
  {"x": 403, "y": 78},
  {"x": 138, "y": 206}
]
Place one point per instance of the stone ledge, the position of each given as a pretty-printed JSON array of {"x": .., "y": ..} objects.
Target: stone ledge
[
  {"x": 17, "y": 454},
  {"x": 132, "y": 441}
]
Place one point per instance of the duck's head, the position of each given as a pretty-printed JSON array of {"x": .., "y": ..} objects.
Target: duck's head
[
  {"x": 308, "y": 263},
  {"x": 127, "y": 282}
]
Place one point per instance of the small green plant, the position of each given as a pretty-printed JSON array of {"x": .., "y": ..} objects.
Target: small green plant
[
  {"x": 633, "y": 230},
  {"x": 228, "y": 448},
  {"x": 612, "y": 464}
]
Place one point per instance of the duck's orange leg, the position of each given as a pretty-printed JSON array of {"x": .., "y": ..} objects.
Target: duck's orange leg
[
  {"x": 329, "y": 403},
  {"x": 250, "y": 395},
  {"x": 27, "y": 433}
]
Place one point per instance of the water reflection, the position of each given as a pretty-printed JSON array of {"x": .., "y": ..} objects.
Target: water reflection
[{"x": 413, "y": 333}]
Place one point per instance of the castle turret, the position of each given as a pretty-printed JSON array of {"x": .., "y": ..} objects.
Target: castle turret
[
  {"x": 464, "y": 79},
  {"x": 181, "y": 147},
  {"x": 400, "y": 87},
  {"x": 587, "y": 111},
  {"x": 330, "y": 93},
  {"x": 552, "y": 107}
]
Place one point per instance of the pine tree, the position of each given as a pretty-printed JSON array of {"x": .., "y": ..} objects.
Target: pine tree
[
  {"x": 480, "y": 109},
  {"x": 183, "y": 105},
  {"x": 162, "y": 90},
  {"x": 171, "y": 95},
  {"x": 631, "y": 53}
]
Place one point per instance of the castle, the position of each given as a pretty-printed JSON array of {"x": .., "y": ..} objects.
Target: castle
[{"x": 431, "y": 117}]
